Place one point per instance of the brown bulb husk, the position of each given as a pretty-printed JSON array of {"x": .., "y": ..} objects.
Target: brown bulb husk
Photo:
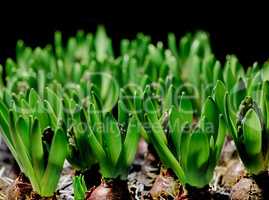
[
  {"x": 251, "y": 188},
  {"x": 114, "y": 189},
  {"x": 142, "y": 149},
  {"x": 165, "y": 186},
  {"x": 246, "y": 189},
  {"x": 228, "y": 152},
  {"x": 22, "y": 189},
  {"x": 234, "y": 172}
]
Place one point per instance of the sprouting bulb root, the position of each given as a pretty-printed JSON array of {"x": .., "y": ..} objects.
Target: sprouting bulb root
[
  {"x": 21, "y": 189},
  {"x": 165, "y": 186}
]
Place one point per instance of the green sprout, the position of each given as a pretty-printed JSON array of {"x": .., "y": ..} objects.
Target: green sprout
[
  {"x": 30, "y": 128},
  {"x": 95, "y": 137},
  {"x": 80, "y": 153},
  {"x": 116, "y": 150},
  {"x": 240, "y": 83},
  {"x": 80, "y": 188},
  {"x": 81, "y": 102},
  {"x": 233, "y": 70},
  {"x": 249, "y": 128},
  {"x": 242, "y": 99},
  {"x": 195, "y": 57},
  {"x": 192, "y": 153}
]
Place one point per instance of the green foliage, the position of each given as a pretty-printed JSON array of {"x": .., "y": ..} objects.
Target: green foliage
[
  {"x": 98, "y": 138},
  {"x": 250, "y": 130},
  {"x": 80, "y": 188},
  {"x": 190, "y": 150},
  {"x": 117, "y": 149},
  {"x": 38, "y": 145},
  {"x": 79, "y": 101}
]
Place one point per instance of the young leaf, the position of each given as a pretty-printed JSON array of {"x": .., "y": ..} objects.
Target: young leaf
[
  {"x": 165, "y": 154},
  {"x": 80, "y": 188},
  {"x": 5, "y": 131},
  {"x": 4, "y": 110},
  {"x": 122, "y": 112},
  {"x": 97, "y": 148},
  {"x": 228, "y": 76},
  {"x": 210, "y": 112},
  {"x": 33, "y": 98},
  {"x": 239, "y": 92},
  {"x": 168, "y": 99},
  {"x": 101, "y": 44},
  {"x": 207, "y": 69},
  {"x": 58, "y": 44},
  {"x": 37, "y": 153},
  {"x": 153, "y": 119},
  {"x": 217, "y": 72},
  {"x": 21, "y": 152},
  {"x": 131, "y": 141},
  {"x": 177, "y": 124},
  {"x": 172, "y": 43},
  {"x": 42, "y": 116},
  {"x": 7, "y": 98},
  {"x": 83, "y": 144},
  {"x": 220, "y": 138},
  {"x": 198, "y": 152},
  {"x": 230, "y": 117},
  {"x": 41, "y": 83},
  {"x": 57, "y": 155},
  {"x": 112, "y": 139},
  {"x": 218, "y": 94},
  {"x": 185, "y": 109},
  {"x": 252, "y": 131},
  {"x": 23, "y": 128},
  {"x": 265, "y": 106},
  {"x": 55, "y": 102},
  {"x": 184, "y": 46},
  {"x": 95, "y": 122},
  {"x": 53, "y": 118}
]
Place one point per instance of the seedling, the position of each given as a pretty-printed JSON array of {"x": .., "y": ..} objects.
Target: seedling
[
  {"x": 32, "y": 131},
  {"x": 249, "y": 128},
  {"x": 194, "y": 152},
  {"x": 80, "y": 188}
]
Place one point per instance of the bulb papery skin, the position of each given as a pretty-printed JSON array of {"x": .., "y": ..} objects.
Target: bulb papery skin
[{"x": 113, "y": 189}]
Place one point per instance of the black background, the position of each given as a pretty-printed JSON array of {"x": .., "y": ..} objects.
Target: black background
[{"x": 233, "y": 29}]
